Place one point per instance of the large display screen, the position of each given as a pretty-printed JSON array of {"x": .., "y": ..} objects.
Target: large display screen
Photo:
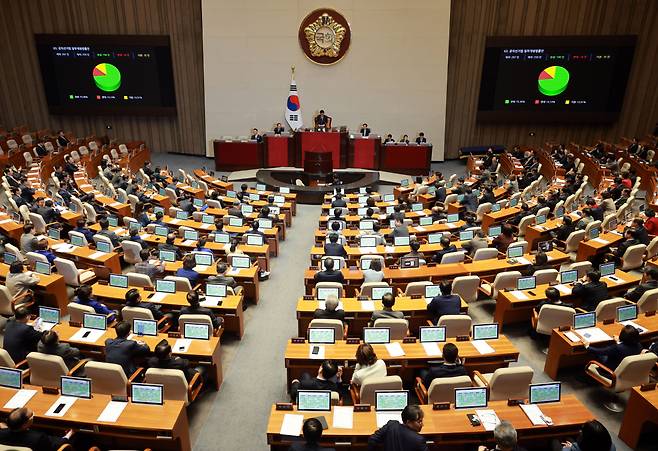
[
  {"x": 103, "y": 74},
  {"x": 554, "y": 79}
]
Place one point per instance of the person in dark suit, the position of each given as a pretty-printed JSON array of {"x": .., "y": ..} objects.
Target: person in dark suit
[
  {"x": 330, "y": 310},
  {"x": 641, "y": 234},
  {"x": 19, "y": 432},
  {"x": 389, "y": 139},
  {"x": 365, "y": 130},
  {"x": 194, "y": 299},
  {"x": 612, "y": 355},
  {"x": 169, "y": 246},
  {"x": 541, "y": 262},
  {"x": 450, "y": 367},
  {"x": 278, "y": 128},
  {"x": 312, "y": 431},
  {"x": 591, "y": 292},
  {"x": 650, "y": 284},
  {"x": 566, "y": 229},
  {"x": 40, "y": 149},
  {"x": 69, "y": 166},
  {"x": 333, "y": 248},
  {"x": 329, "y": 274},
  {"x": 470, "y": 201},
  {"x": 403, "y": 436},
  {"x": 506, "y": 438},
  {"x": 255, "y": 136},
  {"x": 321, "y": 121},
  {"x": 134, "y": 299},
  {"x": 122, "y": 351},
  {"x": 328, "y": 377},
  {"x": 20, "y": 338},
  {"x": 48, "y": 213},
  {"x": 446, "y": 248},
  {"x": 630, "y": 240},
  {"x": 62, "y": 140},
  {"x": 552, "y": 298},
  {"x": 445, "y": 304},
  {"x": 338, "y": 201},
  {"x": 164, "y": 359},
  {"x": 222, "y": 278},
  {"x": 50, "y": 344},
  {"x": 421, "y": 138}
]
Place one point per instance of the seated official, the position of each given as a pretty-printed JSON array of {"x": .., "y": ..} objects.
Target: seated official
[
  {"x": 446, "y": 248},
  {"x": 506, "y": 237},
  {"x": 444, "y": 304},
  {"x": 322, "y": 122},
  {"x": 328, "y": 378},
  {"x": 541, "y": 263},
  {"x": 28, "y": 240},
  {"x": 593, "y": 436},
  {"x": 590, "y": 291},
  {"x": 374, "y": 273},
  {"x": 330, "y": 310},
  {"x": 169, "y": 245},
  {"x": 134, "y": 299},
  {"x": 255, "y": 230},
  {"x": 367, "y": 365},
  {"x": 19, "y": 432},
  {"x": 333, "y": 248},
  {"x": 415, "y": 247},
  {"x": 222, "y": 278},
  {"x": 506, "y": 438},
  {"x": 201, "y": 245},
  {"x": 650, "y": 283},
  {"x": 338, "y": 201},
  {"x": 404, "y": 139},
  {"x": 42, "y": 249},
  {"x": 278, "y": 128},
  {"x": 123, "y": 351},
  {"x": 552, "y": 298},
  {"x": 612, "y": 355},
  {"x": 50, "y": 344},
  {"x": 469, "y": 201},
  {"x": 255, "y": 136},
  {"x": 151, "y": 266},
  {"x": 388, "y": 301},
  {"x": 48, "y": 213},
  {"x": 651, "y": 223},
  {"x": 405, "y": 436},
  {"x": 20, "y": 282},
  {"x": 630, "y": 236},
  {"x": 312, "y": 432},
  {"x": 83, "y": 296},
  {"x": 20, "y": 338},
  {"x": 188, "y": 271},
  {"x": 164, "y": 359},
  {"x": 566, "y": 229},
  {"x": 81, "y": 227},
  {"x": 479, "y": 241},
  {"x": 450, "y": 367},
  {"x": 134, "y": 236},
  {"x": 421, "y": 138},
  {"x": 389, "y": 139},
  {"x": 105, "y": 231},
  {"x": 194, "y": 299},
  {"x": 400, "y": 230},
  {"x": 329, "y": 274}
]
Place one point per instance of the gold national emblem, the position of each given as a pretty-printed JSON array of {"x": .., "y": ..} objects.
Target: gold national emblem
[{"x": 324, "y": 36}]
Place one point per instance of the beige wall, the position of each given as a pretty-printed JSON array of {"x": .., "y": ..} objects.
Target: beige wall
[{"x": 394, "y": 76}]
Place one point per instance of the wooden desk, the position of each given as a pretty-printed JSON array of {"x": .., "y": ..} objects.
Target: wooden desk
[
  {"x": 11, "y": 228},
  {"x": 139, "y": 425},
  {"x": 231, "y": 309},
  {"x": 509, "y": 309},
  {"x": 642, "y": 408},
  {"x": 50, "y": 291},
  {"x": 563, "y": 353},
  {"x": 497, "y": 217},
  {"x": 216, "y": 183},
  {"x": 589, "y": 248},
  {"x": 447, "y": 429},
  {"x": 86, "y": 257}
]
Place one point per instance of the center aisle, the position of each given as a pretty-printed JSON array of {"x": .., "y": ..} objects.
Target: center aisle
[{"x": 255, "y": 378}]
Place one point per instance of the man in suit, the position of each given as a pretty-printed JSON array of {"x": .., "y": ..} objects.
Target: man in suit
[
  {"x": 222, "y": 278},
  {"x": 651, "y": 283},
  {"x": 387, "y": 312},
  {"x": 278, "y": 129},
  {"x": 330, "y": 310},
  {"x": 389, "y": 139},
  {"x": 19, "y": 432},
  {"x": 62, "y": 140},
  {"x": 312, "y": 431},
  {"x": 470, "y": 201},
  {"x": 566, "y": 229},
  {"x": 20, "y": 282},
  {"x": 641, "y": 233},
  {"x": 328, "y": 378},
  {"x": 105, "y": 231},
  {"x": 591, "y": 292},
  {"x": 169, "y": 246},
  {"x": 365, "y": 130},
  {"x": 479, "y": 241},
  {"x": 194, "y": 299},
  {"x": 400, "y": 229},
  {"x": 40, "y": 149},
  {"x": 255, "y": 136},
  {"x": 447, "y": 248},
  {"x": 552, "y": 298},
  {"x": 164, "y": 359},
  {"x": 444, "y": 304},
  {"x": 338, "y": 201},
  {"x": 630, "y": 236},
  {"x": 403, "y": 436},
  {"x": 48, "y": 213},
  {"x": 329, "y": 274},
  {"x": 28, "y": 239},
  {"x": 20, "y": 338},
  {"x": 321, "y": 122},
  {"x": 51, "y": 345},
  {"x": 122, "y": 351},
  {"x": 450, "y": 367},
  {"x": 421, "y": 138},
  {"x": 333, "y": 248}
]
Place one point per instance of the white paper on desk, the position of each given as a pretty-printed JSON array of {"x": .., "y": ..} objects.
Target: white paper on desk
[
  {"x": 63, "y": 247},
  {"x": 483, "y": 347},
  {"x": 534, "y": 414},
  {"x": 600, "y": 241},
  {"x": 367, "y": 306},
  {"x": 432, "y": 349},
  {"x": 616, "y": 280},
  {"x": 321, "y": 305},
  {"x": 520, "y": 295},
  {"x": 158, "y": 297},
  {"x": 211, "y": 301},
  {"x": 593, "y": 334},
  {"x": 389, "y": 249},
  {"x": 394, "y": 349},
  {"x": 201, "y": 268},
  {"x": 19, "y": 399},
  {"x": 188, "y": 242},
  {"x": 5, "y": 221},
  {"x": 98, "y": 196},
  {"x": 92, "y": 336},
  {"x": 175, "y": 221},
  {"x": 206, "y": 226},
  {"x": 563, "y": 289},
  {"x": 112, "y": 411},
  {"x": 317, "y": 356},
  {"x": 572, "y": 337},
  {"x": 233, "y": 272},
  {"x": 97, "y": 254},
  {"x": 367, "y": 250},
  {"x": 182, "y": 345},
  {"x": 145, "y": 236},
  {"x": 292, "y": 424},
  {"x": 385, "y": 417},
  {"x": 523, "y": 261},
  {"x": 635, "y": 325},
  {"x": 488, "y": 418},
  {"x": 115, "y": 204},
  {"x": 68, "y": 401},
  {"x": 343, "y": 417},
  {"x": 420, "y": 229}
]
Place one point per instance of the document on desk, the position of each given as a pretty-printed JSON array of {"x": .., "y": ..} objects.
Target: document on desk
[
  {"x": 343, "y": 417},
  {"x": 145, "y": 236},
  {"x": 233, "y": 272},
  {"x": 563, "y": 289},
  {"x": 367, "y": 306},
  {"x": 534, "y": 414},
  {"x": 97, "y": 254},
  {"x": 292, "y": 425},
  {"x": 318, "y": 355},
  {"x": 523, "y": 261},
  {"x": 119, "y": 230},
  {"x": 488, "y": 418},
  {"x": 593, "y": 334},
  {"x": 432, "y": 349},
  {"x": 63, "y": 247},
  {"x": 115, "y": 204},
  {"x": 572, "y": 337},
  {"x": 158, "y": 297},
  {"x": 635, "y": 325},
  {"x": 5, "y": 221},
  {"x": 321, "y": 305},
  {"x": 20, "y": 399},
  {"x": 600, "y": 241},
  {"x": 61, "y": 406},
  {"x": 188, "y": 242},
  {"x": 420, "y": 229},
  {"x": 389, "y": 249},
  {"x": 112, "y": 411},
  {"x": 87, "y": 335},
  {"x": 174, "y": 221},
  {"x": 201, "y": 268},
  {"x": 483, "y": 347},
  {"x": 394, "y": 349},
  {"x": 182, "y": 345},
  {"x": 211, "y": 301},
  {"x": 385, "y": 417},
  {"x": 520, "y": 295}
]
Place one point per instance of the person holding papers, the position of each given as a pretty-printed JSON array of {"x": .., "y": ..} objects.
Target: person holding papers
[
  {"x": 403, "y": 436},
  {"x": 367, "y": 365},
  {"x": 122, "y": 351},
  {"x": 194, "y": 299},
  {"x": 444, "y": 304},
  {"x": 330, "y": 310},
  {"x": 612, "y": 355},
  {"x": 328, "y": 378},
  {"x": 388, "y": 301},
  {"x": 312, "y": 431},
  {"x": 19, "y": 432},
  {"x": 505, "y": 437},
  {"x": 590, "y": 291},
  {"x": 83, "y": 296},
  {"x": 51, "y": 345},
  {"x": 20, "y": 338},
  {"x": 450, "y": 367}
]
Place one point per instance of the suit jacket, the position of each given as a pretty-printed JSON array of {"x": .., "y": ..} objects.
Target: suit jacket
[
  {"x": 385, "y": 314},
  {"x": 20, "y": 283},
  {"x": 635, "y": 294},
  {"x": 308, "y": 383},
  {"x": 189, "y": 310},
  {"x": 326, "y": 314},
  {"x": 402, "y": 230},
  {"x": 365, "y": 132},
  {"x": 123, "y": 352},
  {"x": 173, "y": 363},
  {"x": 226, "y": 280},
  {"x": 470, "y": 202},
  {"x": 338, "y": 203},
  {"x": 32, "y": 439},
  {"x": 396, "y": 436},
  {"x": 590, "y": 294},
  {"x": 329, "y": 276},
  {"x": 28, "y": 242},
  {"x": 625, "y": 245},
  {"x": 444, "y": 305},
  {"x": 443, "y": 370},
  {"x": 476, "y": 243},
  {"x": 334, "y": 250},
  {"x": 612, "y": 355},
  {"x": 20, "y": 339},
  {"x": 67, "y": 352},
  {"x": 420, "y": 140},
  {"x": 49, "y": 214},
  {"x": 62, "y": 141}
]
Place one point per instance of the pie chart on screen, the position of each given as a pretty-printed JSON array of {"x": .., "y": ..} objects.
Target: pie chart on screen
[
  {"x": 107, "y": 77},
  {"x": 553, "y": 80}
]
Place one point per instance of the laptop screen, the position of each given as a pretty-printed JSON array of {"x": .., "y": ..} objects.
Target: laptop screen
[
  {"x": 401, "y": 241},
  {"x": 540, "y": 219},
  {"x": 584, "y": 320},
  {"x": 607, "y": 269},
  {"x": 388, "y": 198},
  {"x": 94, "y": 321},
  {"x": 391, "y": 400},
  {"x": 49, "y": 314},
  {"x": 485, "y": 331},
  {"x": 430, "y": 334},
  {"x": 284, "y": 190},
  {"x": 494, "y": 231},
  {"x": 321, "y": 335},
  {"x": 559, "y": 212},
  {"x": 379, "y": 292},
  {"x": 118, "y": 281},
  {"x": 376, "y": 335},
  {"x": 568, "y": 276},
  {"x": 240, "y": 262},
  {"x": 470, "y": 398},
  {"x": 203, "y": 259},
  {"x": 404, "y": 182},
  {"x": 514, "y": 251},
  {"x": 222, "y": 238},
  {"x": 231, "y": 194},
  {"x": 434, "y": 238},
  {"x": 526, "y": 283},
  {"x": 145, "y": 327},
  {"x": 279, "y": 199},
  {"x": 182, "y": 215},
  {"x": 197, "y": 202},
  {"x": 416, "y": 207},
  {"x": 467, "y": 235},
  {"x": 323, "y": 293},
  {"x": 9, "y": 258},
  {"x": 495, "y": 208},
  {"x": 426, "y": 221},
  {"x": 54, "y": 233},
  {"x": 165, "y": 286},
  {"x": 216, "y": 290},
  {"x": 191, "y": 235},
  {"x": 368, "y": 241},
  {"x": 207, "y": 219},
  {"x": 104, "y": 247},
  {"x": 261, "y": 187},
  {"x": 197, "y": 331},
  {"x": 42, "y": 267},
  {"x": 548, "y": 392},
  {"x": 161, "y": 231},
  {"x": 246, "y": 209},
  {"x": 432, "y": 291},
  {"x": 453, "y": 217},
  {"x": 79, "y": 387},
  {"x": 255, "y": 240},
  {"x": 264, "y": 223},
  {"x": 314, "y": 400},
  {"x": 113, "y": 220},
  {"x": 235, "y": 222},
  {"x": 513, "y": 202},
  {"x": 147, "y": 393},
  {"x": 594, "y": 232},
  {"x": 626, "y": 313},
  {"x": 77, "y": 240},
  {"x": 167, "y": 256},
  {"x": 11, "y": 378}
]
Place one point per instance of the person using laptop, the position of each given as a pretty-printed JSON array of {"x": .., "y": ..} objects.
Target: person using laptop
[
  {"x": 367, "y": 365},
  {"x": 376, "y": 233},
  {"x": 388, "y": 301},
  {"x": 506, "y": 438},
  {"x": 415, "y": 246},
  {"x": 201, "y": 245},
  {"x": 450, "y": 367},
  {"x": 83, "y": 296},
  {"x": 149, "y": 265},
  {"x": 50, "y": 344},
  {"x": 444, "y": 304},
  {"x": 194, "y": 299},
  {"x": 338, "y": 201},
  {"x": 374, "y": 273},
  {"x": 134, "y": 299},
  {"x": 446, "y": 248},
  {"x": 333, "y": 248},
  {"x": 612, "y": 355},
  {"x": 590, "y": 291},
  {"x": 187, "y": 271},
  {"x": 405, "y": 436},
  {"x": 312, "y": 432},
  {"x": 122, "y": 351},
  {"x": 20, "y": 282},
  {"x": 222, "y": 278},
  {"x": 330, "y": 310},
  {"x": 20, "y": 338},
  {"x": 328, "y": 378},
  {"x": 329, "y": 274},
  {"x": 650, "y": 283},
  {"x": 81, "y": 227},
  {"x": 19, "y": 432},
  {"x": 164, "y": 359}
]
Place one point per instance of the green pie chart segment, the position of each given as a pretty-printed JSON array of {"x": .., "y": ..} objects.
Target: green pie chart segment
[
  {"x": 553, "y": 80},
  {"x": 107, "y": 77}
]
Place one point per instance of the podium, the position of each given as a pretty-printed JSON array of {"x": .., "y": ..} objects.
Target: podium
[
  {"x": 318, "y": 164},
  {"x": 364, "y": 152},
  {"x": 279, "y": 150},
  {"x": 332, "y": 142},
  {"x": 233, "y": 155},
  {"x": 411, "y": 159}
]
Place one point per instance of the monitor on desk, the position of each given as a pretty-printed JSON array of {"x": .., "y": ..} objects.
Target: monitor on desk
[
  {"x": 416, "y": 207},
  {"x": 161, "y": 231},
  {"x": 203, "y": 259},
  {"x": 191, "y": 235},
  {"x": 496, "y": 207},
  {"x": 77, "y": 240},
  {"x": 261, "y": 187},
  {"x": 167, "y": 256},
  {"x": 526, "y": 283},
  {"x": 388, "y": 198},
  {"x": 466, "y": 235},
  {"x": 279, "y": 199},
  {"x": 515, "y": 251},
  {"x": 362, "y": 200},
  {"x": 460, "y": 198},
  {"x": 314, "y": 400},
  {"x": 584, "y": 320},
  {"x": 431, "y": 190},
  {"x": 9, "y": 258},
  {"x": 470, "y": 398},
  {"x": 94, "y": 321},
  {"x": 118, "y": 281},
  {"x": 104, "y": 246},
  {"x": 148, "y": 327},
  {"x": 409, "y": 262},
  {"x": 49, "y": 315},
  {"x": 376, "y": 335},
  {"x": 362, "y": 211},
  {"x": 42, "y": 268},
  {"x": 485, "y": 331},
  {"x": 494, "y": 231},
  {"x": 207, "y": 219},
  {"x": 254, "y": 197},
  {"x": 284, "y": 190},
  {"x": 113, "y": 220},
  {"x": 540, "y": 219},
  {"x": 607, "y": 269},
  {"x": 426, "y": 221},
  {"x": 594, "y": 233},
  {"x": 246, "y": 209},
  {"x": 134, "y": 226},
  {"x": 391, "y": 400},
  {"x": 432, "y": 334},
  {"x": 165, "y": 286},
  {"x": 54, "y": 233},
  {"x": 545, "y": 246},
  {"x": 147, "y": 393},
  {"x": 11, "y": 378},
  {"x": 231, "y": 194},
  {"x": 321, "y": 335},
  {"x": 404, "y": 183},
  {"x": 265, "y": 223},
  {"x": 434, "y": 238},
  {"x": 366, "y": 224},
  {"x": 181, "y": 215},
  {"x": 197, "y": 331},
  {"x": 389, "y": 210},
  {"x": 78, "y": 387},
  {"x": 323, "y": 293},
  {"x": 216, "y": 290},
  {"x": 401, "y": 241},
  {"x": 612, "y": 224},
  {"x": 559, "y": 212},
  {"x": 222, "y": 237},
  {"x": 241, "y": 262},
  {"x": 514, "y": 202},
  {"x": 452, "y": 218},
  {"x": 626, "y": 313},
  {"x": 432, "y": 291},
  {"x": 368, "y": 241},
  {"x": 235, "y": 222},
  {"x": 569, "y": 276},
  {"x": 379, "y": 292},
  {"x": 255, "y": 240},
  {"x": 197, "y": 202},
  {"x": 547, "y": 392},
  {"x": 363, "y": 190}
]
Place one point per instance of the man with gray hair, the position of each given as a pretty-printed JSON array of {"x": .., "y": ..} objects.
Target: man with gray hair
[
  {"x": 505, "y": 436},
  {"x": 330, "y": 310}
]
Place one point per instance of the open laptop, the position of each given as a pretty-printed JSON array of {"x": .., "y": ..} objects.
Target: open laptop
[
  {"x": 389, "y": 405},
  {"x": 50, "y": 317}
]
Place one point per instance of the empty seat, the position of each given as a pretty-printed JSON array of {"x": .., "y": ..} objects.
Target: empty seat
[{"x": 506, "y": 383}]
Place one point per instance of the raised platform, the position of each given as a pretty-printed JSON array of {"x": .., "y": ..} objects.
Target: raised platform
[{"x": 392, "y": 178}]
